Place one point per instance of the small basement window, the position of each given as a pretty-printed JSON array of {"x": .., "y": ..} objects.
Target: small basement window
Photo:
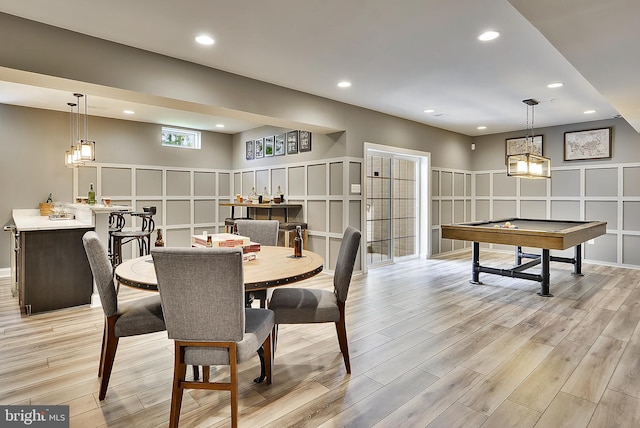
[{"x": 183, "y": 138}]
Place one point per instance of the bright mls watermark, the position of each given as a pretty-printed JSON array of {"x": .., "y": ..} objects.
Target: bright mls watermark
[{"x": 34, "y": 416}]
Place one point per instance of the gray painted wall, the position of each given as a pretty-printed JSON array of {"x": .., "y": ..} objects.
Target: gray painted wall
[
  {"x": 32, "y": 162},
  {"x": 33, "y": 145},
  {"x": 626, "y": 145}
]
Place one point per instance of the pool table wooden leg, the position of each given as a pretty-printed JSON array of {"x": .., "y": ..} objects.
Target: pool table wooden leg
[
  {"x": 475, "y": 270},
  {"x": 544, "y": 285}
]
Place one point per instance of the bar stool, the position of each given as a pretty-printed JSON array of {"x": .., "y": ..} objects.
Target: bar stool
[
  {"x": 117, "y": 222},
  {"x": 118, "y": 236}
]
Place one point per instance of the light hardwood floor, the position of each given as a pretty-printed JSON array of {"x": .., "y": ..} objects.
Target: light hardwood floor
[{"x": 427, "y": 350}]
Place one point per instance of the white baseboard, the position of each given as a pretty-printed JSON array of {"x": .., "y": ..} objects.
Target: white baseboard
[{"x": 5, "y": 272}]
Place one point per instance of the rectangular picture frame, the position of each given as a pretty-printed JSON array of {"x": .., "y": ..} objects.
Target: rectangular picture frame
[
  {"x": 279, "y": 144},
  {"x": 268, "y": 146},
  {"x": 249, "y": 150},
  {"x": 292, "y": 142},
  {"x": 259, "y": 148},
  {"x": 517, "y": 146},
  {"x": 588, "y": 144},
  {"x": 304, "y": 143}
]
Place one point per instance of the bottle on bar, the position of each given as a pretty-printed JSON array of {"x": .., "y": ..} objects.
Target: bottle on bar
[
  {"x": 297, "y": 243},
  {"x": 91, "y": 197}
]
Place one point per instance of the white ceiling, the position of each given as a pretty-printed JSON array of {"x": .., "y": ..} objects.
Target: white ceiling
[{"x": 402, "y": 56}]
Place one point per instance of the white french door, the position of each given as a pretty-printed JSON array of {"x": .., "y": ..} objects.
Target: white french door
[{"x": 391, "y": 207}]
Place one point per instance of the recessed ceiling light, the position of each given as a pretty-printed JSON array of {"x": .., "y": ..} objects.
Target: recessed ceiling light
[
  {"x": 488, "y": 35},
  {"x": 482, "y": 127},
  {"x": 219, "y": 125},
  {"x": 129, "y": 112},
  {"x": 555, "y": 85},
  {"x": 344, "y": 84},
  {"x": 429, "y": 110},
  {"x": 203, "y": 39},
  {"x": 589, "y": 112}
]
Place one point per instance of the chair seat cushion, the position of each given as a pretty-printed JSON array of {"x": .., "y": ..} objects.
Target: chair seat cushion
[
  {"x": 304, "y": 305},
  {"x": 131, "y": 233},
  {"x": 140, "y": 316},
  {"x": 258, "y": 325}
]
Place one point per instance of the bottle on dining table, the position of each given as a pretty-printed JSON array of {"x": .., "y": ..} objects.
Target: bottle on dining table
[{"x": 297, "y": 243}]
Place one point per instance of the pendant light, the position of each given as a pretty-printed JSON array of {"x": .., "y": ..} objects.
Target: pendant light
[
  {"x": 77, "y": 149},
  {"x": 82, "y": 149},
  {"x": 68, "y": 155},
  {"x": 87, "y": 147},
  {"x": 529, "y": 164}
]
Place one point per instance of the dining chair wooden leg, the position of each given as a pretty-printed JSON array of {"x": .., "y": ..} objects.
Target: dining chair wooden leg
[
  {"x": 206, "y": 373},
  {"x": 179, "y": 375},
  {"x": 342, "y": 340},
  {"x": 233, "y": 369},
  {"x": 274, "y": 338},
  {"x": 109, "y": 355},
  {"x": 268, "y": 358},
  {"x": 341, "y": 329},
  {"x": 196, "y": 372},
  {"x": 260, "y": 378},
  {"x": 104, "y": 343}
]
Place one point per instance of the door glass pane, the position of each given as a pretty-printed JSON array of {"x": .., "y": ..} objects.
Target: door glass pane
[
  {"x": 379, "y": 209},
  {"x": 404, "y": 203}
]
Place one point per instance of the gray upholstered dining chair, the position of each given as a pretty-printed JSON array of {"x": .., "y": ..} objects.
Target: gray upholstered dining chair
[
  {"x": 202, "y": 292},
  {"x": 139, "y": 316},
  {"x": 265, "y": 232},
  {"x": 307, "y": 305}
]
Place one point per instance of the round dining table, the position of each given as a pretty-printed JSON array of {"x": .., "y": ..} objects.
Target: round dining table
[{"x": 272, "y": 267}]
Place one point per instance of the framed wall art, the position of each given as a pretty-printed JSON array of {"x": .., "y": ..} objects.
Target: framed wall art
[
  {"x": 589, "y": 144},
  {"x": 517, "y": 146},
  {"x": 249, "y": 150},
  {"x": 279, "y": 144},
  {"x": 304, "y": 144},
  {"x": 268, "y": 146},
  {"x": 292, "y": 142},
  {"x": 259, "y": 148}
]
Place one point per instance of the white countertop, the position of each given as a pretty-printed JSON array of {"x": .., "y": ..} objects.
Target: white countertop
[
  {"x": 97, "y": 208},
  {"x": 30, "y": 219},
  {"x": 27, "y": 220}
]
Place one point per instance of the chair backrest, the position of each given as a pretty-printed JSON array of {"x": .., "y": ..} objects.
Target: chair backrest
[
  {"x": 202, "y": 292},
  {"x": 117, "y": 220},
  {"x": 102, "y": 272},
  {"x": 265, "y": 232},
  {"x": 346, "y": 260},
  {"x": 146, "y": 217}
]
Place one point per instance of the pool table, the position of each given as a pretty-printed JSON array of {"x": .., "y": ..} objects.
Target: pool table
[{"x": 545, "y": 234}]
